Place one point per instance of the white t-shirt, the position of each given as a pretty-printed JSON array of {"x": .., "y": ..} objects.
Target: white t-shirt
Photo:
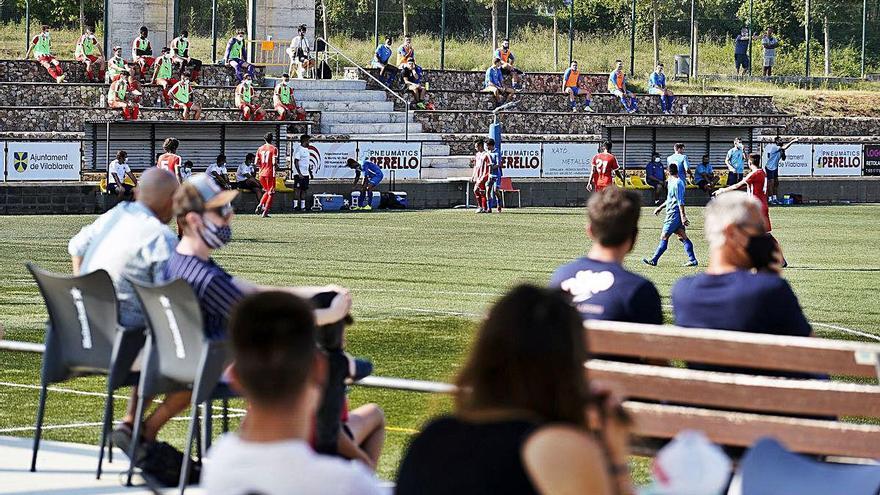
[
  {"x": 119, "y": 169},
  {"x": 769, "y": 52},
  {"x": 300, "y": 42},
  {"x": 186, "y": 173},
  {"x": 236, "y": 467},
  {"x": 302, "y": 154},
  {"x": 243, "y": 171},
  {"x": 215, "y": 168}
]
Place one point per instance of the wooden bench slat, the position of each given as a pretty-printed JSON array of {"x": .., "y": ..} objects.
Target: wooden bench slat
[
  {"x": 738, "y": 391},
  {"x": 743, "y": 429},
  {"x": 731, "y": 348}
]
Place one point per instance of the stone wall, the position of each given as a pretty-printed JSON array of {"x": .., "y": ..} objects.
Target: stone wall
[
  {"x": 42, "y": 199},
  {"x": 463, "y": 144},
  {"x": 540, "y": 82},
  {"x": 32, "y": 71},
  {"x": 567, "y": 123},
  {"x": 72, "y": 119},
  {"x": 828, "y": 126}
]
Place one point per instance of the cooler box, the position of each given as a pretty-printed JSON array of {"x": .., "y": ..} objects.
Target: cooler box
[
  {"x": 356, "y": 196},
  {"x": 396, "y": 200},
  {"x": 327, "y": 202}
]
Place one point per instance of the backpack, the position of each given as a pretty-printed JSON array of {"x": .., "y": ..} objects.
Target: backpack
[
  {"x": 163, "y": 462},
  {"x": 324, "y": 71}
]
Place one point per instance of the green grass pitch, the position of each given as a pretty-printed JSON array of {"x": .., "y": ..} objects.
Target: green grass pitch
[{"x": 420, "y": 280}]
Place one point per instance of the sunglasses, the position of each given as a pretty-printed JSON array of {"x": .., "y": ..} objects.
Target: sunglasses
[{"x": 224, "y": 211}]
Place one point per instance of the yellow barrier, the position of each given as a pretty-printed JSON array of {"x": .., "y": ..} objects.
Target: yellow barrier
[{"x": 270, "y": 53}]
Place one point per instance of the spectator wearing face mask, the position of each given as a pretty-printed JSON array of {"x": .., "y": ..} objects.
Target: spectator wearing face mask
[{"x": 655, "y": 176}]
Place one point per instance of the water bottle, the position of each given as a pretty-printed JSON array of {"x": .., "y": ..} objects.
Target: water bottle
[
  {"x": 684, "y": 109},
  {"x": 103, "y": 100},
  {"x": 228, "y": 80},
  {"x": 159, "y": 101}
]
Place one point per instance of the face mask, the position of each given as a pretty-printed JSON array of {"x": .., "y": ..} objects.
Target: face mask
[
  {"x": 214, "y": 236},
  {"x": 760, "y": 250},
  {"x": 657, "y": 159}
]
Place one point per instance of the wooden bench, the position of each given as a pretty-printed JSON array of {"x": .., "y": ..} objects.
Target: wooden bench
[{"x": 736, "y": 409}]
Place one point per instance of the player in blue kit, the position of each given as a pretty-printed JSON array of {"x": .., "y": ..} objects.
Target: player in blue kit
[
  {"x": 676, "y": 219},
  {"x": 373, "y": 175},
  {"x": 681, "y": 161}
]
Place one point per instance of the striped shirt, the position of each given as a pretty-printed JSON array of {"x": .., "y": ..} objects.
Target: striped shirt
[{"x": 214, "y": 288}]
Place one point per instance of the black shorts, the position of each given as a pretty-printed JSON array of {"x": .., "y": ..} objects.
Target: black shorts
[
  {"x": 654, "y": 183},
  {"x": 113, "y": 188},
  {"x": 506, "y": 71},
  {"x": 742, "y": 60},
  {"x": 772, "y": 174},
  {"x": 246, "y": 185},
  {"x": 733, "y": 178},
  {"x": 301, "y": 182}
]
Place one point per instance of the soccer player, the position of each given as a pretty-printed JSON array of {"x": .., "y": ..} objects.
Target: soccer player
[
  {"x": 170, "y": 160},
  {"x": 411, "y": 77},
  {"x": 300, "y": 53},
  {"x": 493, "y": 192},
  {"x": 41, "y": 46},
  {"x": 480, "y": 176},
  {"x": 163, "y": 68},
  {"x": 181, "y": 98},
  {"x": 494, "y": 84},
  {"x": 604, "y": 167},
  {"x": 301, "y": 161},
  {"x": 218, "y": 172},
  {"x": 676, "y": 219},
  {"x": 617, "y": 87},
  {"x": 245, "y": 177},
  {"x": 236, "y": 56},
  {"x": 775, "y": 150},
  {"x": 382, "y": 61},
  {"x": 118, "y": 171},
  {"x": 405, "y": 53},
  {"x": 267, "y": 164},
  {"x": 507, "y": 61},
  {"x": 117, "y": 98},
  {"x": 244, "y": 100},
  {"x": 657, "y": 86},
  {"x": 180, "y": 55},
  {"x": 735, "y": 162},
  {"x": 142, "y": 52},
  {"x": 704, "y": 177},
  {"x": 681, "y": 160},
  {"x": 570, "y": 87},
  {"x": 88, "y": 52},
  {"x": 372, "y": 177},
  {"x": 284, "y": 102},
  {"x": 116, "y": 65}
]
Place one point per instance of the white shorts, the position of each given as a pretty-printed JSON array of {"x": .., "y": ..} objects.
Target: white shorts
[{"x": 769, "y": 61}]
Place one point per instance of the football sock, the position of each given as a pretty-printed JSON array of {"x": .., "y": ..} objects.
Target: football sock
[
  {"x": 661, "y": 248},
  {"x": 689, "y": 249}
]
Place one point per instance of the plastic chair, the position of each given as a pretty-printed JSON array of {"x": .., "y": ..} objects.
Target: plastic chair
[
  {"x": 769, "y": 469},
  {"x": 722, "y": 182},
  {"x": 637, "y": 182},
  {"x": 619, "y": 183},
  {"x": 506, "y": 186},
  {"x": 281, "y": 186},
  {"x": 179, "y": 357},
  {"x": 83, "y": 338}
]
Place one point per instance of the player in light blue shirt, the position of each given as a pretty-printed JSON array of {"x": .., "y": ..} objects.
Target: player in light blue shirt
[
  {"x": 382, "y": 61},
  {"x": 657, "y": 86},
  {"x": 774, "y": 153},
  {"x": 373, "y": 175},
  {"x": 735, "y": 162},
  {"x": 681, "y": 160},
  {"x": 676, "y": 219}
]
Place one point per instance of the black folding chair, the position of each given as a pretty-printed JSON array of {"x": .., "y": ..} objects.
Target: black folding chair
[
  {"x": 179, "y": 357},
  {"x": 83, "y": 338}
]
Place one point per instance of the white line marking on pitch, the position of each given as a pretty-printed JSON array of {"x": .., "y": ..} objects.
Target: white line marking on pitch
[
  {"x": 98, "y": 423},
  {"x": 442, "y": 312},
  {"x": 847, "y": 330}
]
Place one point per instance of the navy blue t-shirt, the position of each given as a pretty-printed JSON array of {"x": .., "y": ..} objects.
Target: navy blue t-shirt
[
  {"x": 214, "y": 288},
  {"x": 606, "y": 291},
  {"x": 740, "y": 300}
]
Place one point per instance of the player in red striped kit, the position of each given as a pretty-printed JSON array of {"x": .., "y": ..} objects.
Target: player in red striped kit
[
  {"x": 267, "y": 163},
  {"x": 604, "y": 168},
  {"x": 170, "y": 160},
  {"x": 480, "y": 176}
]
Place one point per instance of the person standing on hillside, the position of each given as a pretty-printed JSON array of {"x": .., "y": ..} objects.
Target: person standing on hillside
[
  {"x": 507, "y": 61},
  {"x": 604, "y": 167},
  {"x": 741, "y": 59},
  {"x": 570, "y": 81},
  {"x": 236, "y": 56},
  {"x": 41, "y": 46},
  {"x": 770, "y": 44},
  {"x": 88, "y": 52}
]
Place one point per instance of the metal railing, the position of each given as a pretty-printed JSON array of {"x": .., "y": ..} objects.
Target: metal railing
[{"x": 371, "y": 76}]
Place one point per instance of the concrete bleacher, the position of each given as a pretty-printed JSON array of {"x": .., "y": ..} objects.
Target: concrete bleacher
[
  {"x": 31, "y": 71},
  {"x": 542, "y": 82}
]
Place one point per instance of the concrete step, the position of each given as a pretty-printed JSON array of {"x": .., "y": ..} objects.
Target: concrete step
[
  {"x": 451, "y": 162},
  {"x": 321, "y": 84},
  {"x": 444, "y": 172},
  {"x": 369, "y": 128},
  {"x": 363, "y": 117},
  {"x": 348, "y": 106},
  {"x": 336, "y": 95},
  {"x": 435, "y": 149}
]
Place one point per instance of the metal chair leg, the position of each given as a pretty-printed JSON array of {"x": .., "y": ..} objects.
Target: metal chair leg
[
  {"x": 105, "y": 427},
  {"x": 41, "y": 409},
  {"x": 109, "y": 439},
  {"x": 190, "y": 434},
  {"x": 225, "y": 415},
  {"x": 208, "y": 422},
  {"x": 135, "y": 437}
]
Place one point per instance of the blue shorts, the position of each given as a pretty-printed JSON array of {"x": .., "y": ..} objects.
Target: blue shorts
[
  {"x": 492, "y": 184},
  {"x": 374, "y": 181},
  {"x": 772, "y": 174},
  {"x": 672, "y": 225},
  {"x": 574, "y": 90}
]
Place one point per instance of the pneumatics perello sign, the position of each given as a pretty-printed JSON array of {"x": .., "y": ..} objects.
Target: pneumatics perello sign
[
  {"x": 43, "y": 161},
  {"x": 837, "y": 159}
]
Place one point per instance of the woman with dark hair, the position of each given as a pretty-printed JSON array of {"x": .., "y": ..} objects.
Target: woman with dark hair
[{"x": 526, "y": 419}]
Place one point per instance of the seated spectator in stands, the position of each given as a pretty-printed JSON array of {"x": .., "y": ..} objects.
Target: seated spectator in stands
[
  {"x": 186, "y": 170},
  {"x": 743, "y": 276},
  {"x": 570, "y": 87},
  {"x": 135, "y": 90},
  {"x": 246, "y": 178},
  {"x": 411, "y": 77},
  {"x": 284, "y": 102},
  {"x": 182, "y": 98},
  {"x": 526, "y": 418},
  {"x": 244, "y": 100},
  {"x": 405, "y": 53},
  {"x": 163, "y": 69},
  {"x": 133, "y": 241},
  {"x": 300, "y": 53},
  {"x": 494, "y": 84},
  {"x": 770, "y": 43},
  {"x": 655, "y": 176},
  {"x": 88, "y": 51},
  {"x": 507, "y": 61},
  {"x": 657, "y": 86},
  {"x": 41, "y": 46},
  {"x": 142, "y": 52},
  {"x": 382, "y": 61},
  {"x": 735, "y": 162},
  {"x": 363, "y": 434},
  {"x": 218, "y": 172},
  {"x": 704, "y": 176},
  {"x": 180, "y": 54},
  {"x": 236, "y": 56},
  {"x": 118, "y": 97},
  {"x": 600, "y": 287},
  {"x": 681, "y": 161},
  {"x": 617, "y": 87},
  {"x": 117, "y": 172},
  {"x": 281, "y": 374},
  {"x": 741, "y": 58},
  {"x": 116, "y": 65}
]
